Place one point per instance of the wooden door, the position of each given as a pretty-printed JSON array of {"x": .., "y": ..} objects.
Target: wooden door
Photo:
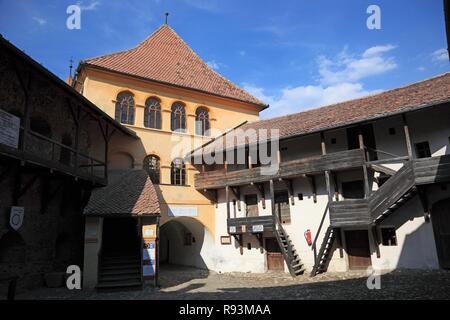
[
  {"x": 282, "y": 208},
  {"x": 358, "y": 249},
  {"x": 440, "y": 216},
  {"x": 275, "y": 260},
  {"x": 251, "y": 205}
]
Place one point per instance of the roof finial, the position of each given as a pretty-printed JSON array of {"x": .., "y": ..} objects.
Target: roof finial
[
  {"x": 167, "y": 16},
  {"x": 70, "y": 66}
]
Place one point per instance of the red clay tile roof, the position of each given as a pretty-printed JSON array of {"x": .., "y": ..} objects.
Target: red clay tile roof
[
  {"x": 165, "y": 57},
  {"x": 131, "y": 194},
  {"x": 428, "y": 92}
]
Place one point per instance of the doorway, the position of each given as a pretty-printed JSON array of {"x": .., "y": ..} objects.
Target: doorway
[
  {"x": 440, "y": 216},
  {"x": 275, "y": 260},
  {"x": 358, "y": 249},
  {"x": 353, "y": 189},
  {"x": 120, "y": 237},
  {"x": 368, "y": 137}
]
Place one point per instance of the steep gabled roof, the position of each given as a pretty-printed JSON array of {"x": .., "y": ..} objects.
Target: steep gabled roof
[
  {"x": 165, "y": 57},
  {"x": 426, "y": 93}
]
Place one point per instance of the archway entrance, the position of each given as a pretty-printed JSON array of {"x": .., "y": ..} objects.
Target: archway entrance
[{"x": 184, "y": 242}]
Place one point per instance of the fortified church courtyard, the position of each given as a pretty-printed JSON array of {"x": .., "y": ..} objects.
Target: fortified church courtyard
[
  {"x": 132, "y": 168},
  {"x": 183, "y": 283}
]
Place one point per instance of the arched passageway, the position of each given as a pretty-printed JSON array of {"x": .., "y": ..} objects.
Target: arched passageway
[{"x": 185, "y": 241}]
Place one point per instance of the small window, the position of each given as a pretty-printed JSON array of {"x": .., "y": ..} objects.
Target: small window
[
  {"x": 249, "y": 246},
  {"x": 125, "y": 108},
  {"x": 152, "y": 113},
  {"x": 300, "y": 196},
  {"x": 188, "y": 239},
  {"x": 178, "y": 172},
  {"x": 423, "y": 150},
  {"x": 178, "y": 117},
  {"x": 152, "y": 166},
  {"x": 333, "y": 141},
  {"x": 392, "y": 131},
  {"x": 389, "y": 236},
  {"x": 202, "y": 122}
]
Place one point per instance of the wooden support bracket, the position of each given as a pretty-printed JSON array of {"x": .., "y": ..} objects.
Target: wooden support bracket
[
  {"x": 262, "y": 192},
  {"x": 237, "y": 193},
  {"x": 259, "y": 236},
  {"x": 312, "y": 182},
  {"x": 240, "y": 239},
  {"x": 376, "y": 241}
]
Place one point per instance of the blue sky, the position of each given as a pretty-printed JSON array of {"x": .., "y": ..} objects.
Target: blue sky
[{"x": 292, "y": 54}]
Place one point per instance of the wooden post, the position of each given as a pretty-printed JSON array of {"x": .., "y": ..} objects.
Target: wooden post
[
  {"x": 272, "y": 197},
  {"x": 327, "y": 173},
  {"x": 407, "y": 137},
  {"x": 250, "y": 164},
  {"x": 227, "y": 199},
  {"x": 366, "y": 175}
]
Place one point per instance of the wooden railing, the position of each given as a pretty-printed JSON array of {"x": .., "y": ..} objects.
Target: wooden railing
[
  {"x": 287, "y": 169},
  {"x": 413, "y": 173},
  {"x": 44, "y": 151},
  {"x": 266, "y": 222}
]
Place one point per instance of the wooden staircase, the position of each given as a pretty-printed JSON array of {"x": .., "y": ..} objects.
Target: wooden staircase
[
  {"x": 393, "y": 194},
  {"x": 322, "y": 259},
  {"x": 120, "y": 272},
  {"x": 290, "y": 254}
]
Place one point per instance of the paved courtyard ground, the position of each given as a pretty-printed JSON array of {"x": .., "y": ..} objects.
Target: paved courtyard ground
[{"x": 190, "y": 284}]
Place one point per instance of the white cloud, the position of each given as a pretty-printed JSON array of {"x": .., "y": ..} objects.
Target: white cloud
[
  {"x": 40, "y": 21},
  {"x": 213, "y": 64},
  {"x": 207, "y": 5},
  {"x": 340, "y": 79},
  {"x": 89, "y": 7},
  {"x": 440, "y": 55},
  {"x": 242, "y": 53},
  {"x": 350, "y": 68}
]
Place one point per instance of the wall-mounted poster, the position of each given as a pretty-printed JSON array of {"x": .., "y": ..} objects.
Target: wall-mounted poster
[
  {"x": 149, "y": 259},
  {"x": 182, "y": 211},
  {"x": 9, "y": 129}
]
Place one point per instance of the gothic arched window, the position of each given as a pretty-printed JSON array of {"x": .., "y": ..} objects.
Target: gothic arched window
[
  {"x": 202, "y": 122},
  {"x": 178, "y": 172},
  {"x": 152, "y": 113},
  {"x": 178, "y": 117},
  {"x": 125, "y": 108},
  {"x": 152, "y": 166}
]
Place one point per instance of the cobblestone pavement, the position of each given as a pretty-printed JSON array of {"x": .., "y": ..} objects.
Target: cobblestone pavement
[{"x": 190, "y": 284}]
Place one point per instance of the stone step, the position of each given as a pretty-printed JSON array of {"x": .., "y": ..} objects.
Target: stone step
[
  {"x": 121, "y": 277},
  {"x": 121, "y": 266},
  {"x": 119, "y": 271},
  {"x": 119, "y": 284}
]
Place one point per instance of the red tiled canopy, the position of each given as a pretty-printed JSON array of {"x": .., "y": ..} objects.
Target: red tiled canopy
[
  {"x": 131, "y": 193},
  {"x": 166, "y": 58}
]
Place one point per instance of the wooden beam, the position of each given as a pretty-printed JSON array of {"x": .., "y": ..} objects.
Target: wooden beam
[
  {"x": 327, "y": 173},
  {"x": 376, "y": 242},
  {"x": 290, "y": 188},
  {"x": 312, "y": 183},
  {"x": 240, "y": 239},
  {"x": 272, "y": 196},
  {"x": 336, "y": 186},
  {"x": 365, "y": 173},
  {"x": 237, "y": 193},
  {"x": 407, "y": 137},
  {"x": 259, "y": 187},
  {"x": 227, "y": 199}
]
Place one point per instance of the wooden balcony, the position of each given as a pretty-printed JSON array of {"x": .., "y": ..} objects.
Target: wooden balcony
[
  {"x": 288, "y": 169},
  {"x": 44, "y": 152},
  {"x": 250, "y": 225},
  {"x": 401, "y": 187}
]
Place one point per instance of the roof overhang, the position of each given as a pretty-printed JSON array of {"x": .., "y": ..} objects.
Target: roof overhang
[{"x": 100, "y": 114}]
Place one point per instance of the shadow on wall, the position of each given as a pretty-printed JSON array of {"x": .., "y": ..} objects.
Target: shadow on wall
[
  {"x": 183, "y": 241},
  {"x": 418, "y": 249}
]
